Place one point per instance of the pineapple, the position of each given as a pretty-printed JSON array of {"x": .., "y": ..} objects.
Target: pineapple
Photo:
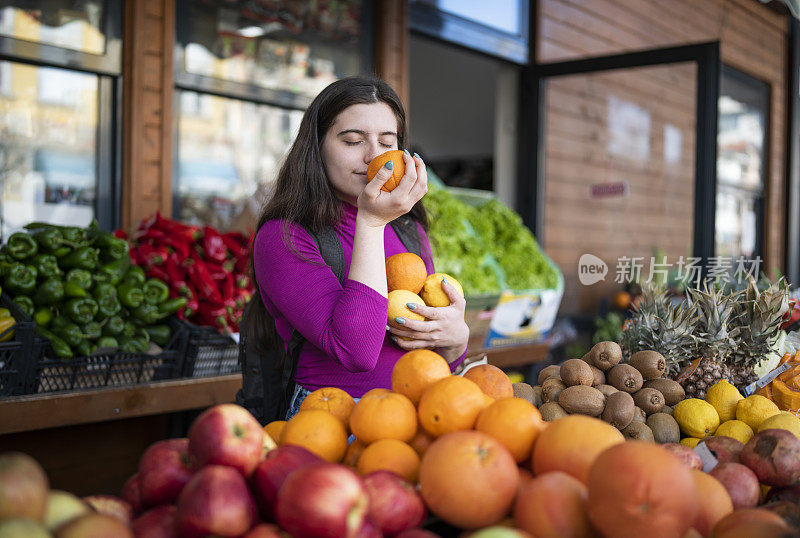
[{"x": 730, "y": 333}]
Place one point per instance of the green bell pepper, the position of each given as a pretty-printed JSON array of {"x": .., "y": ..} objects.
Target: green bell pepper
[
  {"x": 25, "y": 304},
  {"x": 21, "y": 279},
  {"x": 81, "y": 310},
  {"x": 73, "y": 289},
  {"x": 147, "y": 313},
  {"x": 104, "y": 289},
  {"x": 49, "y": 239},
  {"x": 160, "y": 334},
  {"x": 43, "y": 316},
  {"x": 59, "y": 321},
  {"x": 129, "y": 330},
  {"x": 92, "y": 330},
  {"x": 130, "y": 295},
  {"x": 81, "y": 258},
  {"x": 108, "y": 305},
  {"x": 113, "y": 272},
  {"x": 81, "y": 277},
  {"x": 6, "y": 263},
  {"x": 49, "y": 292},
  {"x": 107, "y": 342},
  {"x": 84, "y": 348},
  {"x": 70, "y": 333},
  {"x": 170, "y": 306},
  {"x": 113, "y": 326},
  {"x": 21, "y": 246},
  {"x": 110, "y": 246},
  {"x": 60, "y": 348},
  {"x": 46, "y": 264},
  {"x": 135, "y": 275},
  {"x": 155, "y": 291}
]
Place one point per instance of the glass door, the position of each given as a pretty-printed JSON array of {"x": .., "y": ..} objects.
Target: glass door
[{"x": 624, "y": 168}]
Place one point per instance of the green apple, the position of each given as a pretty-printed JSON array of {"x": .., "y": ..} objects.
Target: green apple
[{"x": 62, "y": 506}]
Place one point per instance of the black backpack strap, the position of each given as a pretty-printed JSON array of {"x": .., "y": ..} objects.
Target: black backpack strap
[{"x": 406, "y": 229}]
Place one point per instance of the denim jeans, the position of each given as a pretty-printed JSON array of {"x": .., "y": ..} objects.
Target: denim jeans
[{"x": 299, "y": 395}]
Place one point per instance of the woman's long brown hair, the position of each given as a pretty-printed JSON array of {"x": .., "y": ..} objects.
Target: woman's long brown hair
[{"x": 303, "y": 194}]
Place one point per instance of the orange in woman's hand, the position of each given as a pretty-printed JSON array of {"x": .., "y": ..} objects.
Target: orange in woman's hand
[{"x": 398, "y": 168}]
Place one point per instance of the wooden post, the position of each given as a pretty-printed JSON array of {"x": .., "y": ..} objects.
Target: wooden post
[
  {"x": 149, "y": 37},
  {"x": 391, "y": 45}
]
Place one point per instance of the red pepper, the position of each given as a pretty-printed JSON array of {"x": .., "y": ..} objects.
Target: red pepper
[
  {"x": 177, "y": 275},
  {"x": 157, "y": 272},
  {"x": 213, "y": 314},
  {"x": 198, "y": 274},
  {"x": 242, "y": 296},
  {"x": 213, "y": 245},
  {"x": 192, "y": 304},
  {"x": 173, "y": 227},
  {"x": 216, "y": 271},
  {"x": 152, "y": 255},
  {"x": 232, "y": 241},
  {"x": 228, "y": 290},
  {"x": 120, "y": 234}
]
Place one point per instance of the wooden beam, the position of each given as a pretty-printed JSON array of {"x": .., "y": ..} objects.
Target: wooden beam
[
  {"x": 37, "y": 412},
  {"x": 391, "y": 45}
]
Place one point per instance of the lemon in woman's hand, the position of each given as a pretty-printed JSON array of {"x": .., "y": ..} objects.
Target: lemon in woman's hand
[{"x": 432, "y": 292}]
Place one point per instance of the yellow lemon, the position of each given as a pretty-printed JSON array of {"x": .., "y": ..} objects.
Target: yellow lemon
[
  {"x": 398, "y": 299},
  {"x": 724, "y": 397},
  {"x": 755, "y": 409},
  {"x": 736, "y": 429},
  {"x": 783, "y": 421},
  {"x": 691, "y": 442},
  {"x": 432, "y": 292},
  {"x": 696, "y": 417}
]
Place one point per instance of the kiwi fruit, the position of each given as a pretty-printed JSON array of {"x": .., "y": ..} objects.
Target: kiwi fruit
[
  {"x": 582, "y": 399},
  {"x": 551, "y": 411},
  {"x": 638, "y": 414},
  {"x": 665, "y": 429},
  {"x": 576, "y": 372},
  {"x": 550, "y": 389},
  {"x": 625, "y": 377},
  {"x": 605, "y": 355},
  {"x": 650, "y": 400},
  {"x": 547, "y": 373},
  {"x": 651, "y": 364},
  {"x": 667, "y": 409},
  {"x": 638, "y": 431},
  {"x": 524, "y": 391},
  {"x": 608, "y": 390},
  {"x": 599, "y": 376},
  {"x": 537, "y": 395},
  {"x": 672, "y": 390},
  {"x": 619, "y": 409}
]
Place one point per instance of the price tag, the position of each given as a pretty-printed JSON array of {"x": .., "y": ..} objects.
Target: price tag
[{"x": 709, "y": 460}]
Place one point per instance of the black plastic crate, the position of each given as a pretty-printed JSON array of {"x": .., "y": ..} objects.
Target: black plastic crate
[
  {"x": 48, "y": 373},
  {"x": 17, "y": 353},
  {"x": 207, "y": 352}
]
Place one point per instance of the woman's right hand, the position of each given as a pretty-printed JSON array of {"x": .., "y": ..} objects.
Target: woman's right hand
[{"x": 378, "y": 208}]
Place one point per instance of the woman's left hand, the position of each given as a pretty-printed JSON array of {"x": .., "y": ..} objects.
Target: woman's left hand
[{"x": 444, "y": 328}]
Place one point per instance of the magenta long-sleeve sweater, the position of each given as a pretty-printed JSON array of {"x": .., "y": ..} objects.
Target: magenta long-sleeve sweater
[{"x": 347, "y": 344}]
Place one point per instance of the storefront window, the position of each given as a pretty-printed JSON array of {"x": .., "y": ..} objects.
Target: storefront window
[
  {"x": 740, "y": 164},
  {"x": 229, "y": 152},
  {"x": 294, "y": 47},
  {"x": 69, "y": 24},
  {"x": 48, "y": 135}
]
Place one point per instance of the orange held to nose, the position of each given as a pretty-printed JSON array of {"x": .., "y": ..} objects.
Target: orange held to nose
[{"x": 398, "y": 168}]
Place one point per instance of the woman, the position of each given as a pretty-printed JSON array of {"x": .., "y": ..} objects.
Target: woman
[{"x": 322, "y": 184}]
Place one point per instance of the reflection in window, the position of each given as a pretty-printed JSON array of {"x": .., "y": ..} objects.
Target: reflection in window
[
  {"x": 740, "y": 164},
  {"x": 505, "y": 15},
  {"x": 229, "y": 152},
  {"x": 295, "y": 46},
  {"x": 69, "y": 24},
  {"x": 48, "y": 126}
]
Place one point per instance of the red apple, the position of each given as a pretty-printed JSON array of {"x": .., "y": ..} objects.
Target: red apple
[
  {"x": 265, "y": 530},
  {"x": 774, "y": 455},
  {"x": 687, "y": 455},
  {"x": 23, "y": 487},
  {"x": 132, "y": 493},
  {"x": 368, "y": 529},
  {"x": 741, "y": 483},
  {"x": 156, "y": 523},
  {"x": 394, "y": 504},
  {"x": 271, "y": 473},
  {"x": 94, "y": 526},
  {"x": 725, "y": 449},
  {"x": 111, "y": 506},
  {"x": 226, "y": 434},
  {"x": 216, "y": 501},
  {"x": 164, "y": 471},
  {"x": 322, "y": 500}
]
